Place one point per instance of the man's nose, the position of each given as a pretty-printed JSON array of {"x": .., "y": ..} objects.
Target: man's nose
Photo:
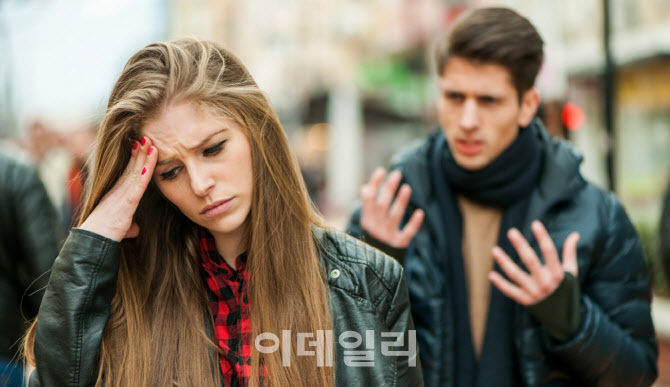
[{"x": 469, "y": 120}]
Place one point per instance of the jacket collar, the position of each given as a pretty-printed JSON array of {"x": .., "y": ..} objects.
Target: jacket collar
[{"x": 560, "y": 180}]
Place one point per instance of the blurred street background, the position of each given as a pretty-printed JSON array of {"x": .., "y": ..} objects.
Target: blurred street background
[{"x": 352, "y": 82}]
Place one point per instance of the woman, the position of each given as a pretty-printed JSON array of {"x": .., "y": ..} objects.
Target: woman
[{"x": 198, "y": 246}]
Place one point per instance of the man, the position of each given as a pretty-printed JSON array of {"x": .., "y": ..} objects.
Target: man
[
  {"x": 500, "y": 200},
  {"x": 29, "y": 242}
]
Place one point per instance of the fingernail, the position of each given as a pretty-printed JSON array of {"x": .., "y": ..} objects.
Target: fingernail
[
  {"x": 144, "y": 140},
  {"x": 150, "y": 150},
  {"x": 135, "y": 145},
  {"x": 514, "y": 233},
  {"x": 144, "y": 170}
]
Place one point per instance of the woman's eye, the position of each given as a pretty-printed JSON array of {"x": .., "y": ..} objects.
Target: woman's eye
[
  {"x": 169, "y": 175},
  {"x": 213, "y": 150}
]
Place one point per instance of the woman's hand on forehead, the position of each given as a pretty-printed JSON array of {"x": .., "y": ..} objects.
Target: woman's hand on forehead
[{"x": 113, "y": 216}]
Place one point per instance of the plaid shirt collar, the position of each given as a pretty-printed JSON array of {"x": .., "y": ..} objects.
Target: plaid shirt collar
[
  {"x": 229, "y": 304},
  {"x": 213, "y": 262}
]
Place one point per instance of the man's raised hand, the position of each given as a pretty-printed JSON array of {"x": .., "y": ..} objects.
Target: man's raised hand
[{"x": 383, "y": 210}]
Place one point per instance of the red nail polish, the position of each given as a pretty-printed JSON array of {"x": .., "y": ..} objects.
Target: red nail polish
[
  {"x": 144, "y": 170},
  {"x": 135, "y": 144},
  {"x": 144, "y": 140},
  {"x": 150, "y": 150}
]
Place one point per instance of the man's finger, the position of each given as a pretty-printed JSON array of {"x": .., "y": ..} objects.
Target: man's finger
[
  {"x": 367, "y": 196},
  {"x": 526, "y": 253},
  {"x": 376, "y": 179},
  {"x": 570, "y": 254},
  {"x": 510, "y": 290},
  {"x": 369, "y": 190},
  {"x": 389, "y": 189},
  {"x": 547, "y": 247},
  {"x": 513, "y": 272},
  {"x": 399, "y": 206},
  {"x": 411, "y": 228}
]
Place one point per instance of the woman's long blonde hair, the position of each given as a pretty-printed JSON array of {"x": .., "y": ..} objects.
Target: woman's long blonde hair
[{"x": 160, "y": 326}]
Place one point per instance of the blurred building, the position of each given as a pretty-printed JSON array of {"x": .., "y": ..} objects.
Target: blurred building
[
  {"x": 573, "y": 30},
  {"x": 59, "y": 60},
  {"x": 8, "y": 125},
  {"x": 353, "y": 69},
  {"x": 364, "y": 69}
]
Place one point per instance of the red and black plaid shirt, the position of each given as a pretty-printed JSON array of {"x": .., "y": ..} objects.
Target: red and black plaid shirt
[{"x": 230, "y": 308}]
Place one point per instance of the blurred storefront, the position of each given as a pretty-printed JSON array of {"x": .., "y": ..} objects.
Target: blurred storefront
[
  {"x": 643, "y": 95},
  {"x": 641, "y": 52},
  {"x": 354, "y": 74}
]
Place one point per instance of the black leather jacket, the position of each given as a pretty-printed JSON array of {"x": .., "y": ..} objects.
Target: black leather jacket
[
  {"x": 29, "y": 233},
  {"x": 615, "y": 344},
  {"x": 367, "y": 292}
]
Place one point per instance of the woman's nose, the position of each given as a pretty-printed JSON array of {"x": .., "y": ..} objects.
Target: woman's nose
[{"x": 201, "y": 181}]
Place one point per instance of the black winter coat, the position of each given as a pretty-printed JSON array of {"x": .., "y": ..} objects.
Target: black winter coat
[
  {"x": 615, "y": 344},
  {"x": 29, "y": 232}
]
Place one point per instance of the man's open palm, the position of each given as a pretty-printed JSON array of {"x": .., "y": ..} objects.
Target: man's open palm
[{"x": 381, "y": 214}]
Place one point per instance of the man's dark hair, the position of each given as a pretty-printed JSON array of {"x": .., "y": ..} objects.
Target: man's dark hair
[{"x": 498, "y": 36}]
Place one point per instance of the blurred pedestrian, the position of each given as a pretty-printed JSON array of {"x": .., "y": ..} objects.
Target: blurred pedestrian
[
  {"x": 29, "y": 233},
  {"x": 39, "y": 140},
  {"x": 197, "y": 240},
  {"x": 79, "y": 143},
  {"x": 500, "y": 199},
  {"x": 42, "y": 141}
]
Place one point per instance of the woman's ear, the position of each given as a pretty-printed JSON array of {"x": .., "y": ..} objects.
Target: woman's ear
[{"x": 529, "y": 104}]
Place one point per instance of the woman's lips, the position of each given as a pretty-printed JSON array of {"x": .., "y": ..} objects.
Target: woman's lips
[
  {"x": 469, "y": 148},
  {"x": 216, "y": 208}
]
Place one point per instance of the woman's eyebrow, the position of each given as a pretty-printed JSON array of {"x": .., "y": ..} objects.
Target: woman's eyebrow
[
  {"x": 206, "y": 139},
  {"x": 201, "y": 144}
]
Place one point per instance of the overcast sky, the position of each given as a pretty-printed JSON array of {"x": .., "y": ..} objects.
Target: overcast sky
[{"x": 64, "y": 56}]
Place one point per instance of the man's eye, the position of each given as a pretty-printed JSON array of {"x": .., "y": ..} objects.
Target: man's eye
[
  {"x": 488, "y": 100},
  {"x": 455, "y": 97},
  {"x": 214, "y": 150},
  {"x": 169, "y": 175}
]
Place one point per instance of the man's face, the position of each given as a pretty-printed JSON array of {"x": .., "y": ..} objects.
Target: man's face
[{"x": 480, "y": 111}]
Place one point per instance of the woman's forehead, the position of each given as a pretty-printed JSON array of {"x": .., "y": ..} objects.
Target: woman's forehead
[
  {"x": 187, "y": 122},
  {"x": 184, "y": 127}
]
